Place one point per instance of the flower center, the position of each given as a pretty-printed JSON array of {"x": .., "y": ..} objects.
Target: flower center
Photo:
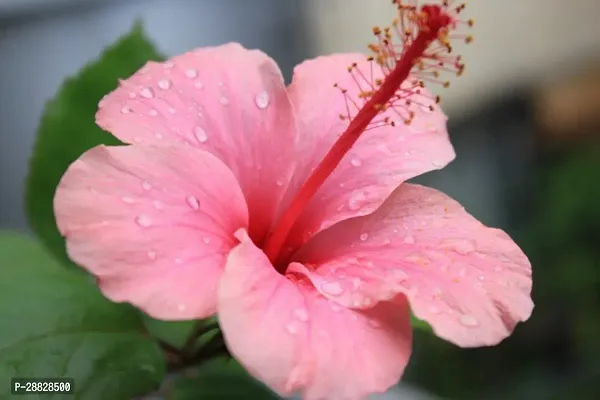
[{"x": 418, "y": 29}]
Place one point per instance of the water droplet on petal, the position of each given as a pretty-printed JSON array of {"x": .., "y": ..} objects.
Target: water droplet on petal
[
  {"x": 332, "y": 288},
  {"x": 355, "y": 161},
  {"x": 498, "y": 269},
  {"x": 291, "y": 328},
  {"x": 468, "y": 320},
  {"x": 193, "y": 202},
  {"x": 206, "y": 240},
  {"x": 158, "y": 135},
  {"x": 262, "y": 99},
  {"x": 279, "y": 182},
  {"x": 152, "y": 112},
  {"x": 224, "y": 101},
  {"x": 437, "y": 163},
  {"x": 398, "y": 274},
  {"x": 301, "y": 314},
  {"x": 335, "y": 307},
  {"x": 178, "y": 261},
  {"x": 364, "y": 236},
  {"x": 158, "y": 204},
  {"x": 357, "y": 198},
  {"x": 164, "y": 84},
  {"x": 143, "y": 220},
  {"x": 146, "y": 185},
  {"x": 147, "y": 92},
  {"x": 200, "y": 134},
  {"x": 409, "y": 239},
  {"x": 125, "y": 110},
  {"x": 295, "y": 379},
  {"x": 307, "y": 235},
  {"x": 128, "y": 200},
  {"x": 434, "y": 310},
  {"x": 172, "y": 110},
  {"x": 191, "y": 73},
  {"x": 132, "y": 95},
  {"x": 382, "y": 147},
  {"x": 387, "y": 242},
  {"x": 199, "y": 85},
  {"x": 373, "y": 323},
  {"x": 460, "y": 246},
  {"x": 152, "y": 255}
]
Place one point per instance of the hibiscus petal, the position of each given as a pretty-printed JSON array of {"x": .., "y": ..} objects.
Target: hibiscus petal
[
  {"x": 471, "y": 283},
  {"x": 379, "y": 161},
  {"x": 226, "y": 100},
  {"x": 154, "y": 224},
  {"x": 290, "y": 337}
]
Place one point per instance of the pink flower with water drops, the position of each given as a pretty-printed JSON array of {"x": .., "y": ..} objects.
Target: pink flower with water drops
[{"x": 283, "y": 210}]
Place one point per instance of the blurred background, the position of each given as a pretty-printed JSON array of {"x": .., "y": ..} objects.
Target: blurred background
[{"x": 524, "y": 120}]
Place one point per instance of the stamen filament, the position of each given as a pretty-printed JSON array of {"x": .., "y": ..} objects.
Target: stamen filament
[{"x": 357, "y": 126}]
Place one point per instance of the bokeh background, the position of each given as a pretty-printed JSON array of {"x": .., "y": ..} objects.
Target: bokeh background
[{"x": 524, "y": 119}]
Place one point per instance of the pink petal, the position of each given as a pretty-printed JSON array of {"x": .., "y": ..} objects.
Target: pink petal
[
  {"x": 290, "y": 337},
  {"x": 380, "y": 160},
  {"x": 471, "y": 283},
  {"x": 226, "y": 100},
  {"x": 152, "y": 225}
]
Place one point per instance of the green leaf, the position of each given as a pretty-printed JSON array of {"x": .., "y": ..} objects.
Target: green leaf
[
  {"x": 68, "y": 128},
  {"x": 55, "y": 323},
  {"x": 219, "y": 379},
  {"x": 420, "y": 325},
  {"x": 174, "y": 333}
]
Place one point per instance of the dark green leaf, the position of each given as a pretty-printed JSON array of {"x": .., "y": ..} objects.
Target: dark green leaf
[
  {"x": 174, "y": 333},
  {"x": 419, "y": 324},
  {"x": 68, "y": 128},
  {"x": 55, "y": 323},
  {"x": 219, "y": 379}
]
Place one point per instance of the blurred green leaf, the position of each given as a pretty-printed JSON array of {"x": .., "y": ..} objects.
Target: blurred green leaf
[
  {"x": 420, "y": 325},
  {"x": 55, "y": 323},
  {"x": 174, "y": 333},
  {"x": 219, "y": 379},
  {"x": 570, "y": 198},
  {"x": 68, "y": 128}
]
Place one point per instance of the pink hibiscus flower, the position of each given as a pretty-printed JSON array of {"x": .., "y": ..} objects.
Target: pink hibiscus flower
[{"x": 259, "y": 202}]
